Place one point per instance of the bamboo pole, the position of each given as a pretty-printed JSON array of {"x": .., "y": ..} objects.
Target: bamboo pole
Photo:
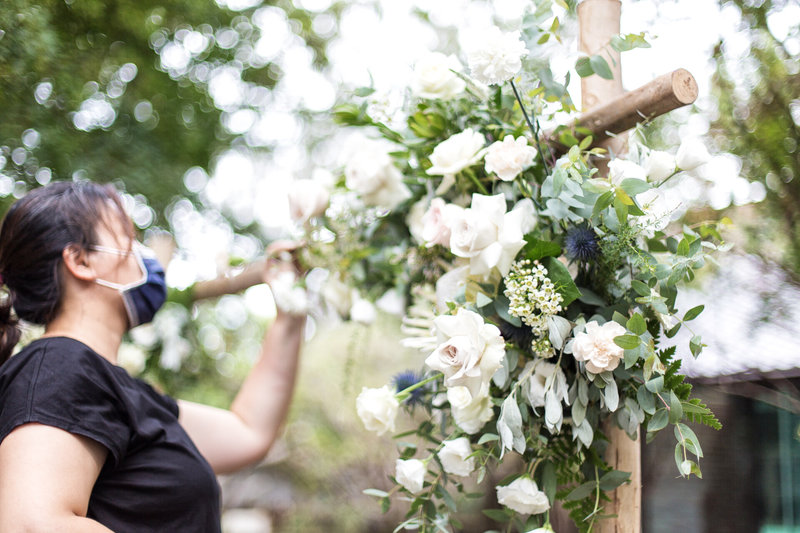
[{"x": 599, "y": 20}]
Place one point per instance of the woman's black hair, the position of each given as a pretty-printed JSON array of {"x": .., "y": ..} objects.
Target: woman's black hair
[{"x": 33, "y": 236}]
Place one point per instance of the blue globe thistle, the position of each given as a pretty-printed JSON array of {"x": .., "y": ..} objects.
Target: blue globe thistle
[
  {"x": 404, "y": 380},
  {"x": 581, "y": 244}
]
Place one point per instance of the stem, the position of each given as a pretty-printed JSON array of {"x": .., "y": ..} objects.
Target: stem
[
  {"x": 405, "y": 393},
  {"x": 534, "y": 131},
  {"x": 596, "y": 500},
  {"x": 471, "y": 175}
]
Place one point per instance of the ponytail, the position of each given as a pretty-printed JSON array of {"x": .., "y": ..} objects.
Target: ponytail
[{"x": 9, "y": 330}]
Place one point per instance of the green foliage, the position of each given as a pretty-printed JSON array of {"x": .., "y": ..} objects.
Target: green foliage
[{"x": 757, "y": 121}]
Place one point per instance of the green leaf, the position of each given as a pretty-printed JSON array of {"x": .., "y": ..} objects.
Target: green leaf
[
  {"x": 501, "y": 304},
  {"x": 364, "y": 91},
  {"x": 636, "y": 324},
  {"x": 549, "y": 480},
  {"x": 482, "y": 300},
  {"x": 488, "y": 437},
  {"x": 562, "y": 280},
  {"x": 543, "y": 39},
  {"x": 659, "y": 420},
  {"x": 603, "y": 201},
  {"x": 655, "y": 385},
  {"x": 692, "y": 313},
  {"x": 635, "y": 186},
  {"x": 536, "y": 249},
  {"x": 646, "y": 400},
  {"x": 590, "y": 298},
  {"x": 621, "y": 209},
  {"x": 683, "y": 248},
  {"x": 581, "y": 491},
  {"x": 640, "y": 287},
  {"x": 627, "y": 342},
  {"x": 675, "y": 408},
  {"x": 613, "y": 479},
  {"x": 498, "y": 515},
  {"x": 600, "y": 67},
  {"x": 632, "y": 356},
  {"x": 584, "y": 67},
  {"x": 696, "y": 345}
]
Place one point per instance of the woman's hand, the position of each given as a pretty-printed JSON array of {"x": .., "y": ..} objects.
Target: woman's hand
[{"x": 283, "y": 271}]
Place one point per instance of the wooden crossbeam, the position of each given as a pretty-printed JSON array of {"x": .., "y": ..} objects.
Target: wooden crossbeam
[{"x": 667, "y": 92}]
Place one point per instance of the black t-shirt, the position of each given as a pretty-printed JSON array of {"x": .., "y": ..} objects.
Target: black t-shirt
[{"x": 154, "y": 478}]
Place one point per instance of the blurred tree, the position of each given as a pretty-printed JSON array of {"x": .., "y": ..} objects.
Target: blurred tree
[
  {"x": 758, "y": 101},
  {"x": 119, "y": 91}
]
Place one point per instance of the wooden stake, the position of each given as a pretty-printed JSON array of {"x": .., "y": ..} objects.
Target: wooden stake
[
  {"x": 250, "y": 275},
  {"x": 599, "y": 21}
]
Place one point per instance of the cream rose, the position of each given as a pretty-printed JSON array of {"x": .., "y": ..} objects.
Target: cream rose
[
  {"x": 495, "y": 56},
  {"x": 509, "y": 157},
  {"x": 338, "y": 295},
  {"x": 377, "y": 409},
  {"x": 437, "y": 220},
  {"x": 307, "y": 199},
  {"x": 410, "y": 474},
  {"x": 434, "y": 77},
  {"x": 595, "y": 346},
  {"x": 621, "y": 169},
  {"x": 691, "y": 154},
  {"x": 488, "y": 236},
  {"x": 469, "y": 413},
  {"x": 455, "y": 457},
  {"x": 523, "y": 496},
  {"x": 469, "y": 353},
  {"x": 455, "y": 154},
  {"x": 660, "y": 165},
  {"x": 372, "y": 174}
]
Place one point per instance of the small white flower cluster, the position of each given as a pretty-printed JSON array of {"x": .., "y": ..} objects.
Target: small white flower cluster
[{"x": 532, "y": 296}]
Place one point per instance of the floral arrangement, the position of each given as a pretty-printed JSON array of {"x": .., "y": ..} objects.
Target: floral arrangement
[{"x": 537, "y": 290}]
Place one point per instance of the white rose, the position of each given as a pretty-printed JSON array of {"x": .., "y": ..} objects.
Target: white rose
[
  {"x": 494, "y": 56},
  {"x": 415, "y": 221},
  {"x": 622, "y": 169},
  {"x": 307, "y": 199},
  {"x": 595, "y": 346},
  {"x": 410, "y": 474},
  {"x": 377, "y": 409},
  {"x": 509, "y": 157},
  {"x": 434, "y": 77},
  {"x": 289, "y": 297},
  {"x": 454, "y": 155},
  {"x": 338, "y": 295},
  {"x": 523, "y": 496},
  {"x": 131, "y": 358},
  {"x": 691, "y": 154},
  {"x": 488, "y": 236},
  {"x": 455, "y": 457},
  {"x": 470, "y": 413},
  {"x": 449, "y": 286},
  {"x": 469, "y": 353},
  {"x": 437, "y": 220},
  {"x": 362, "y": 311},
  {"x": 660, "y": 165},
  {"x": 372, "y": 174}
]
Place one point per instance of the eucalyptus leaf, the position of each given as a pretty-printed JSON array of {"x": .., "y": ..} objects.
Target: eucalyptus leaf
[{"x": 659, "y": 420}]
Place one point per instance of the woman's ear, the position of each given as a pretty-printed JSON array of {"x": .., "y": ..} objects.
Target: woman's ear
[{"x": 76, "y": 261}]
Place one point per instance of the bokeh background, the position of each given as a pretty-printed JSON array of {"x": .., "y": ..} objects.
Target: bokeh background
[{"x": 202, "y": 113}]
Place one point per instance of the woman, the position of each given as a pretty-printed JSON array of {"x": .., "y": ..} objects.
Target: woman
[{"x": 83, "y": 446}]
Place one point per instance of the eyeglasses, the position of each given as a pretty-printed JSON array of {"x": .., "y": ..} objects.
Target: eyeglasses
[{"x": 115, "y": 251}]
